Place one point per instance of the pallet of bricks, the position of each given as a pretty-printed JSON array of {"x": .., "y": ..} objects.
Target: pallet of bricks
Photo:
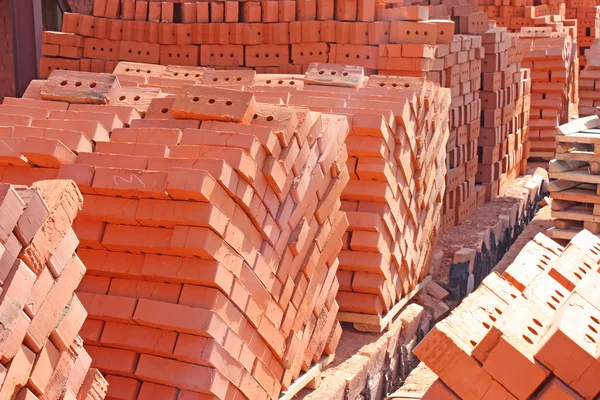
[
  {"x": 530, "y": 333},
  {"x": 211, "y": 253},
  {"x": 523, "y": 13},
  {"x": 589, "y": 77},
  {"x": 576, "y": 170},
  {"x": 397, "y": 126},
  {"x": 551, "y": 58},
  {"x": 587, "y": 15},
  {"x": 505, "y": 102},
  {"x": 41, "y": 353},
  {"x": 270, "y": 36},
  {"x": 455, "y": 63},
  {"x": 161, "y": 195}
]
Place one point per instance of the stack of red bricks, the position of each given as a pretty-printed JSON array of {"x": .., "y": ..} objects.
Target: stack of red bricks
[
  {"x": 394, "y": 197},
  {"x": 587, "y": 14},
  {"x": 397, "y": 126},
  {"x": 503, "y": 145},
  {"x": 554, "y": 69},
  {"x": 589, "y": 79},
  {"x": 531, "y": 333},
  {"x": 41, "y": 354},
  {"x": 523, "y": 13},
  {"x": 270, "y": 36},
  {"x": 212, "y": 249}
]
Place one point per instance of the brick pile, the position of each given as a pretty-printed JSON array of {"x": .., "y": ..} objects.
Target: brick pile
[
  {"x": 589, "y": 78},
  {"x": 397, "y": 126},
  {"x": 505, "y": 100},
  {"x": 519, "y": 14},
  {"x": 211, "y": 253},
  {"x": 529, "y": 333},
  {"x": 42, "y": 355},
  {"x": 554, "y": 69},
  {"x": 587, "y": 15},
  {"x": 266, "y": 282},
  {"x": 269, "y": 36}
]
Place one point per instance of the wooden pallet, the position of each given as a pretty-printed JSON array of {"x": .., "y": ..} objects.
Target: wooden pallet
[
  {"x": 377, "y": 323},
  {"x": 576, "y": 189},
  {"x": 311, "y": 379}
]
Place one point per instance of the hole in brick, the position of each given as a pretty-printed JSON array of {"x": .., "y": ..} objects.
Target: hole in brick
[
  {"x": 538, "y": 323},
  {"x": 195, "y": 99},
  {"x": 583, "y": 270},
  {"x": 197, "y": 75},
  {"x": 277, "y": 55},
  {"x": 269, "y": 118},
  {"x": 226, "y": 79},
  {"x": 238, "y": 79},
  {"x": 101, "y": 48},
  {"x": 127, "y": 69},
  {"x": 425, "y": 33},
  {"x": 175, "y": 73},
  {"x": 532, "y": 330},
  {"x": 164, "y": 110},
  {"x": 301, "y": 53},
  {"x": 212, "y": 54},
  {"x": 394, "y": 84},
  {"x": 77, "y": 84},
  {"x": 255, "y": 116},
  {"x": 136, "y": 98},
  {"x": 592, "y": 329},
  {"x": 215, "y": 79},
  {"x": 267, "y": 55},
  {"x": 527, "y": 339},
  {"x": 591, "y": 339},
  {"x": 231, "y": 55},
  {"x": 292, "y": 82},
  {"x": 333, "y": 72},
  {"x": 498, "y": 311},
  {"x": 486, "y": 325},
  {"x": 347, "y": 55},
  {"x": 473, "y": 343},
  {"x": 385, "y": 33},
  {"x": 408, "y": 32},
  {"x": 178, "y": 55},
  {"x": 139, "y": 52},
  {"x": 596, "y": 320},
  {"x": 94, "y": 48},
  {"x": 122, "y": 98},
  {"x": 577, "y": 275},
  {"x": 221, "y": 54},
  {"x": 211, "y": 101},
  {"x": 311, "y": 53},
  {"x": 93, "y": 84},
  {"x": 280, "y": 82},
  {"x": 406, "y": 85},
  {"x": 228, "y": 103},
  {"x": 321, "y": 72},
  {"x": 268, "y": 81},
  {"x": 320, "y": 53},
  {"x": 257, "y": 55},
  {"x": 492, "y": 318},
  {"x": 110, "y": 50},
  {"x": 382, "y": 84},
  {"x": 130, "y": 51},
  {"x": 63, "y": 83}
]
